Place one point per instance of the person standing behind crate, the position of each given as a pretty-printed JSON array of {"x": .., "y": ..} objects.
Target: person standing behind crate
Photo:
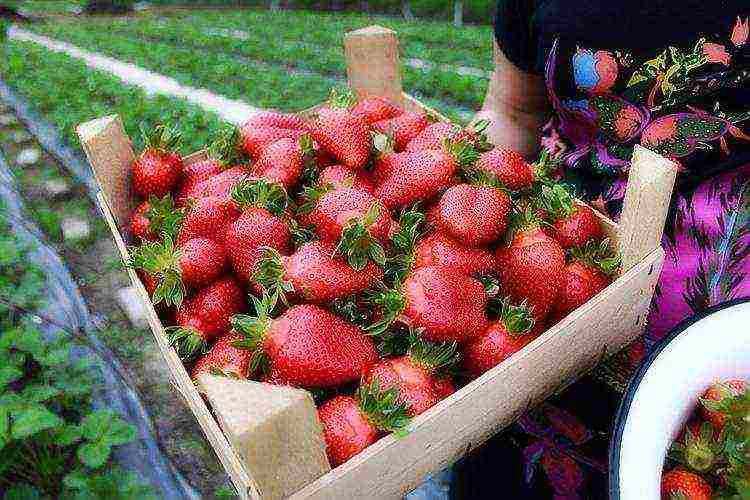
[{"x": 587, "y": 80}]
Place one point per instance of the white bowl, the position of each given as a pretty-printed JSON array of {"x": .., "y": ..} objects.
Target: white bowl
[{"x": 710, "y": 347}]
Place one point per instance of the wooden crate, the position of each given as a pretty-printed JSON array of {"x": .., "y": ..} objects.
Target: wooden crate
[{"x": 463, "y": 421}]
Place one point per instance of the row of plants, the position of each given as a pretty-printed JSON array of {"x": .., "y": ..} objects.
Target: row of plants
[
  {"x": 195, "y": 56},
  {"x": 54, "y": 443},
  {"x": 66, "y": 92}
]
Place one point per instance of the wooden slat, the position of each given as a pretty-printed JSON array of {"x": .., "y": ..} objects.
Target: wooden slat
[{"x": 372, "y": 63}]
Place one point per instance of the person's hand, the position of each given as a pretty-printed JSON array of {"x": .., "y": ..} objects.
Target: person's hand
[{"x": 506, "y": 131}]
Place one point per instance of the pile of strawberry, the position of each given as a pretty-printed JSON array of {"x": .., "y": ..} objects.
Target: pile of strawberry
[
  {"x": 711, "y": 457},
  {"x": 369, "y": 254}
]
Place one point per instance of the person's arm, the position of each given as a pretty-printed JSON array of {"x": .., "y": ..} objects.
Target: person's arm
[{"x": 516, "y": 106}]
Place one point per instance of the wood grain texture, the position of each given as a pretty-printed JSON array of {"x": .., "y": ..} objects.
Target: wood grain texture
[
  {"x": 650, "y": 184},
  {"x": 372, "y": 63},
  {"x": 274, "y": 429},
  {"x": 460, "y": 423}
]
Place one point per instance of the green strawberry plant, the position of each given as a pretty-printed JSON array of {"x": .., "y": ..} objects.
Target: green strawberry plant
[{"x": 53, "y": 442}]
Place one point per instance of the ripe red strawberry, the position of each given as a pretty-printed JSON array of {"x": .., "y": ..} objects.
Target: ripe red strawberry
[
  {"x": 313, "y": 274},
  {"x": 432, "y": 137},
  {"x": 679, "y": 483},
  {"x": 352, "y": 219},
  {"x": 307, "y": 345},
  {"x": 373, "y": 109},
  {"x": 508, "y": 166},
  {"x": 196, "y": 263},
  {"x": 282, "y": 161},
  {"x": 224, "y": 358},
  {"x": 345, "y": 136},
  {"x": 446, "y": 303},
  {"x": 158, "y": 168},
  {"x": 474, "y": 215},
  {"x": 531, "y": 268},
  {"x": 718, "y": 392},
  {"x": 573, "y": 225},
  {"x": 275, "y": 119},
  {"x": 260, "y": 225},
  {"x": 437, "y": 249},
  {"x": 205, "y": 316},
  {"x": 509, "y": 334},
  {"x": 351, "y": 424},
  {"x": 403, "y": 128},
  {"x": 586, "y": 275},
  {"x": 218, "y": 186},
  {"x": 154, "y": 218},
  {"x": 419, "y": 376},
  {"x": 256, "y": 139},
  {"x": 222, "y": 152},
  {"x": 207, "y": 218},
  {"x": 340, "y": 176},
  {"x": 403, "y": 178}
]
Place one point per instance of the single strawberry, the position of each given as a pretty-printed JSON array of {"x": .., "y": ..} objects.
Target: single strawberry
[
  {"x": 218, "y": 186},
  {"x": 573, "y": 225},
  {"x": 437, "y": 249},
  {"x": 345, "y": 136},
  {"x": 352, "y": 423},
  {"x": 419, "y": 376},
  {"x": 340, "y": 176},
  {"x": 207, "y": 218},
  {"x": 719, "y": 392},
  {"x": 154, "y": 218},
  {"x": 282, "y": 162},
  {"x": 403, "y": 178},
  {"x": 351, "y": 219},
  {"x": 260, "y": 225},
  {"x": 256, "y": 139},
  {"x": 590, "y": 271},
  {"x": 224, "y": 358},
  {"x": 307, "y": 346},
  {"x": 679, "y": 483},
  {"x": 375, "y": 108},
  {"x": 446, "y": 303},
  {"x": 222, "y": 152},
  {"x": 313, "y": 274},
  {"x": 403, "y": 128},
  {"x": 433, "y": 136},
  {"x": 158, "y": 168},
  {"x": 196, "y": 263},
  {"x": 531, "y": 266},
  {"x": 206, "y": 315},
  {"x": 508, "y": 167},
  {"x": 699, "y": 447},
  {"x": 474, "y": 215},
  {"x": 512, "y": 331}
]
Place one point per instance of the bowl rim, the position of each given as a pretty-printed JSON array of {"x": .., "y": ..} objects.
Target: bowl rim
[{"x": 627, "y": 399}]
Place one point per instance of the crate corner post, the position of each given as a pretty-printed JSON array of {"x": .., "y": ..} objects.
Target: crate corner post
[
  {"x": 372, "y": 62},
  {"x": 110, "y": 153},
  {"x": 651, "y": 182}
]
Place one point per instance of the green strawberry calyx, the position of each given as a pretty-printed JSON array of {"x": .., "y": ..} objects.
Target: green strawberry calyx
[
  {"x": 411, "y": 227},
  {"x": 391, "y": 303},
  {"x": 161, "y": 138},
  {"x": 161, "y": 259},
  {"x": 186, "y": 341},
  {"x": 225, "y": 148},
  {"x": 260, "y": 193},
  {"x": 254, "y": 330},
  {"x": 463, "y": 152},
  {"x": 342, "y": 98},
  {"x": 701, "y": 451},
  {"x": 598, "y": 255},
  {"x": 311, "y": 195},
  {"x": 556, "y": 201},
  {"x": 270, "y": 274},
  {"x": 356, "y": 242},
  {"x": 164, "y": 219},
  {"x": 517, "y": 318},
  {"x": 382, "y": 407},
  {"x": 310, "y": 167},
  {"x": 435, "y": 357}
]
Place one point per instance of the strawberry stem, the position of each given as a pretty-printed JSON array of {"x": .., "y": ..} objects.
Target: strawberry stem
[
  {"x": 357, "y": 244},
  {"x": 382, "y": 407},
  {"x": 556, "y": 201},
  {"x": 254, "y": 330},
  {"x": 225, "y": 148},
  {"x": 164, "y": 218},
  {"x": 391, "y": 303},
  {"x": 161, "y": 260},
  {"x": 161, "y": 138},
  {"x": 463, "y": 152},
  {"x": 270, "y": 274},
  {"x": 517, "y": 318},
  {"x": 187, "y": 342},
  {"x": 599, "y": 255},
  {"x": 436, "y": 357},
  {"x": 260, "y": 193}
]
